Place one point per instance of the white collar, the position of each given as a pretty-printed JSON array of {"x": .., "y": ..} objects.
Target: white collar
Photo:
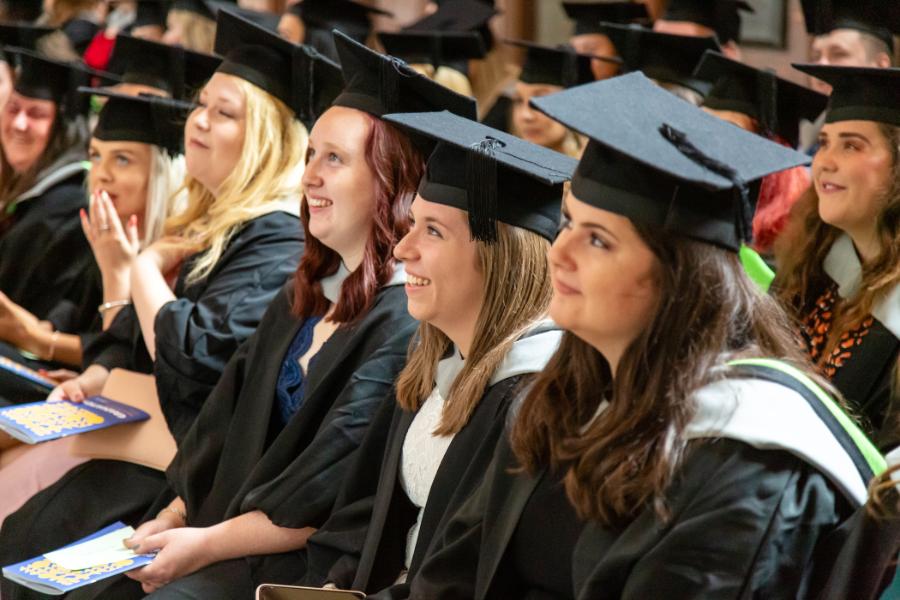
[
  {"x": 331, "y": 285},
  {"x": 529, "y": 354},
  {"x": 842, "y": 264},
  {"x": 57, "y": 176},
  {"x": 743, "y": 409}
]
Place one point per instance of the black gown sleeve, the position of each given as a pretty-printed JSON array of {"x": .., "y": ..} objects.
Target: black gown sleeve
[
  {"x": 117, "y": 346},
  {"x": 745, "y": 523},
  {"x": 333, "y": 552},
  {"x": 197, "y": 335},
  {"x": 304, "y": 493},
  {"x": 449, "y": 572}
]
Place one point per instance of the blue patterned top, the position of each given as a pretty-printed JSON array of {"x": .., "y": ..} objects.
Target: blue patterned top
[{"x": 291, "y": 378}]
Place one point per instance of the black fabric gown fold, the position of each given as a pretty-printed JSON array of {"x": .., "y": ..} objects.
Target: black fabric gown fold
[
  {"x": 199, "y": 331},
  {"x": 237, "y": 457},
  {"x": 43, "y": 251},
  {"x": 746, "y": 523},
  {"x": 363, "y": 544},
  {"x": 207, "y": 324}
]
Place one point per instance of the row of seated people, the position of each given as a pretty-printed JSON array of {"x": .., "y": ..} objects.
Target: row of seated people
[{"x": 347, "y": 322}]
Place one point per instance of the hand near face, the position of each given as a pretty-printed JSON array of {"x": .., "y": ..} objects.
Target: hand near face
[
  {"x": 181, "y": 551},
  {"x": 114, "y": 246},
  {"x": 167, "y": 254}
]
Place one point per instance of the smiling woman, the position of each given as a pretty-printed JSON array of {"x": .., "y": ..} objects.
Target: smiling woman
[{"x": 839, "y": 265}]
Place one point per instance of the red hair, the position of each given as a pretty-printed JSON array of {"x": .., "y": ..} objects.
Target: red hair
[
  {"x": 397, "y": 167},
  {"x": 778, "y": 193}
]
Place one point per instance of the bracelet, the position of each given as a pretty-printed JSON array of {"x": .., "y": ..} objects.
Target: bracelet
[
  {"x": 54, "y": 337},
  {"x": 112, "y": 304},
  {"x": 175, "y": 511}
]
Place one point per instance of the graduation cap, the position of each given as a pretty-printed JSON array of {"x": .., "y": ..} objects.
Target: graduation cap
[
  {"x": 380, "y": 84},
  {"x": 349, "y": 16},
  {"x": 151, "y": 13},
  {"x": 47, "y": 79},
  {"x": 860, "y": 93},
  {"x": 490, "y": 174},
  {"x": 777, "y": 104},
  {"x": 589, "y": 15},
  {"x": 722, "y": 16},
  {"x": 149, "y": 63},
  {"x": 663, "y": 162},
  {"x": 560, "y": 66},
  {"x": 22, "y": 35},
  {"x": 203, "y": 8},
  {"x": 880, "y": 18},
  {"x": 663, "y": 56},
  {"x": 436, "y": 48},
  {"x": 198, "y": 68},
  {"x": 460, "y": 15},
  {"x": 144, "y": 118}
]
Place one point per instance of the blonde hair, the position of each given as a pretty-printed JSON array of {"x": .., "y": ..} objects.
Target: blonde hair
[
  {"x": 199, "y": 33},
  {"x": 268, "y": 171},
  {"x": 64, "y": 11},
  {"x": 447, "y": 77},
  {"x": 517, "y": 294},
  {"x": 166, "y": 194}
]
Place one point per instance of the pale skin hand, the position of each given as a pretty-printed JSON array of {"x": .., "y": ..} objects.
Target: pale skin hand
[
  {"x": 114, "y": 248},
  {"x": 87, "y": 384},
  {"x": 151, "y": 272},
  {"x": 185, "y": 550},
  {"x": 25, "y": 331}
]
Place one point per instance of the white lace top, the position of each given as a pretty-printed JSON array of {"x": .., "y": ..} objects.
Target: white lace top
[{"x": 423, "y": 453}]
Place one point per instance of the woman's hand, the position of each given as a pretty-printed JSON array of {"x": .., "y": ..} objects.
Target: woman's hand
[
  {"x": 77, "y": 389},
  {"x": 166, "y": 255},
  {"x": 180, "y": 552},
  {"x": 19, "y": 327},
  {"x": 114, "y": 246}
]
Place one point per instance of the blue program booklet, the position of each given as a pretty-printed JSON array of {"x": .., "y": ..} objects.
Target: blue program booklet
[
  {"x": 43, "y": 575},
  {"x": 44, "y": 421}
]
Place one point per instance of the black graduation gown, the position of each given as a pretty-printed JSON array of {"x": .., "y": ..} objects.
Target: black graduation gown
[
  {"x": 44, "y": 256},
  {"x": 237, "y": 459},
  {"x": 196, "y": 335},
  {"x": 199, "y": 331},
  {"x": 733, "y": 534},
  {"x": 362, "y": 546}
]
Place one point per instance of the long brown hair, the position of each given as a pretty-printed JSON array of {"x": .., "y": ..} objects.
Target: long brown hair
[
  {"x": 517, "y": 294},
  {"x": 398, "y": 166},
  {"x": 708, "y": 311},
  {"x": 802, "y": 249}
]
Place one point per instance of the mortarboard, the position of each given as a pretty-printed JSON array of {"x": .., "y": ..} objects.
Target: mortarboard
[
  {"x": 589, "y": 15},
  {"x": 490, "y": 174},
  {"x": 560, "y": 66},
  {"x": 149, "y": 63},
  {"x": 436, "y": 48},
  {"x": 151, "y": 13},
  {"x": 880, "y": 18},
  {"x": 23, "y": 35},
  {"x": 860, "y": 93},
  {"x": 663, "y": 162},
  {"x": 297, "y": 75},
  {"x": 722, "y": 16},
  {"x": 662, "y": 56},
  {"x": 350, "y": 16},
  {"x": 777, "y": 104},
  {"x": 144, "y": 118},
  {"x": 380, "y": 84},
  {"x": 47, "y": 79},
  {"x": 460, "y": 15}
]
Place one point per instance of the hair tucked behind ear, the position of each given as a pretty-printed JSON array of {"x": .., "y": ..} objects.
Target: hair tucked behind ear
[{"x": 517, "y": 295}]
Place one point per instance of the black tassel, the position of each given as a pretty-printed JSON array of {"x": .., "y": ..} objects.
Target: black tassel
[
  {"x": 481, "y": 177},
  {"x": 743, "y": 210},
  {"x": 767, "y": 85},
  {"x": 390, "y": 83}
]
